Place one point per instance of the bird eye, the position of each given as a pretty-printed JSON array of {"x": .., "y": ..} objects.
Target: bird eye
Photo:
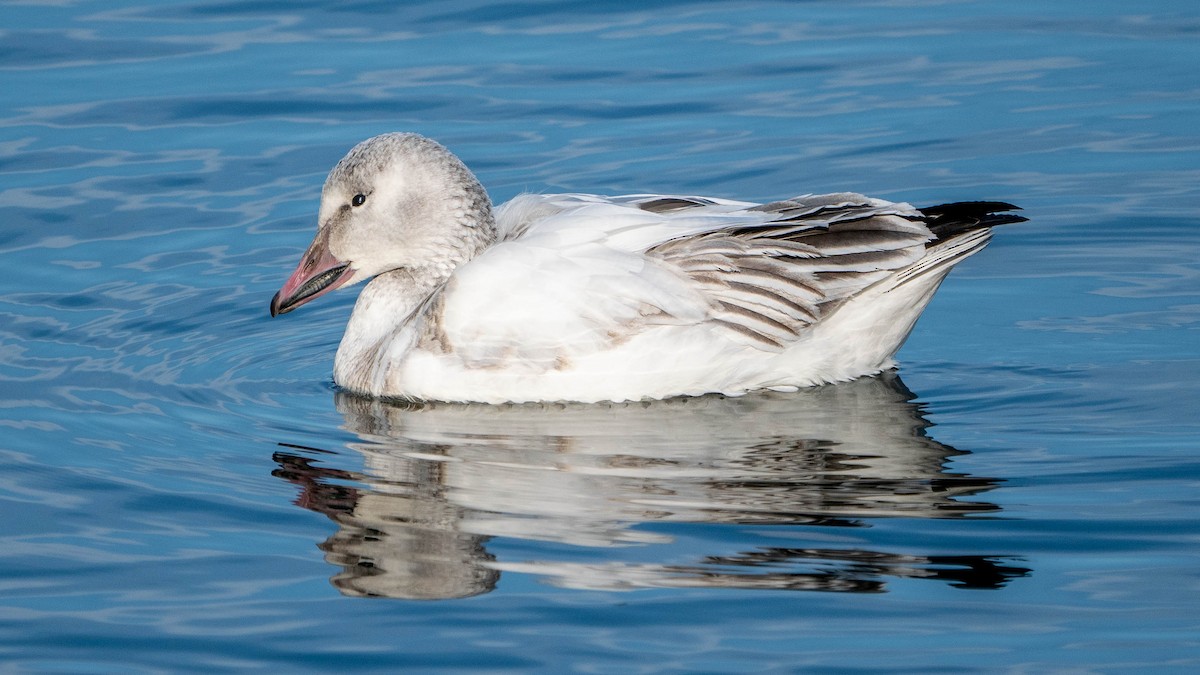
[{"x": 358, "y": 200}]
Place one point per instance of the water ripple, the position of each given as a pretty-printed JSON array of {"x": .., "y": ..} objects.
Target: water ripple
[{"x": 162, "y": 165}]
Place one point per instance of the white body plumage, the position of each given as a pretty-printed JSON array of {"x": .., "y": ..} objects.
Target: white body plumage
[{"x": 587, "y": 298}]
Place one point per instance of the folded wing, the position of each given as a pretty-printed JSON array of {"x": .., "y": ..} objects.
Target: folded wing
[{"x": 577, "y": 273}]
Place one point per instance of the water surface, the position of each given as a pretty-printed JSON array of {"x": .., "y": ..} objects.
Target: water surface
[{"x": 185, "y": 489}]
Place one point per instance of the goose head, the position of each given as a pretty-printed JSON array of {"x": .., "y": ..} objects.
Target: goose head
[{"x": 396, "y": 201}]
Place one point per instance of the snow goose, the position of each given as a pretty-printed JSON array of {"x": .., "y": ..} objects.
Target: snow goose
[{"x": 589, "y": 298}]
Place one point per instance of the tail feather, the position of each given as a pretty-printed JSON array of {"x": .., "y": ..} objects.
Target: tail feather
[
  {"x": 944, "y": 255},
  {"x": 960, "y": 229}
]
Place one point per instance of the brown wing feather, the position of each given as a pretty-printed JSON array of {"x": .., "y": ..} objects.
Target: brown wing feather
[{"x": 770, "y": 281}]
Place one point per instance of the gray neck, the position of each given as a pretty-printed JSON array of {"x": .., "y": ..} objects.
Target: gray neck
[{"x": 382, "y": 327}]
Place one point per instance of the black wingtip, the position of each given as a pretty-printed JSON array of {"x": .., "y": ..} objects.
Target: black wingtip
[
  {"x": 969, "y": 207},
  {"x": 946, "y": 220}
]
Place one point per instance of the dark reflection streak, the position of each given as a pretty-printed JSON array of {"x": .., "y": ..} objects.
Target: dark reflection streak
[
  {"x": 315, "y": 494},
  {"x": 961, "y": 571},
  {"x": 309, "y": 448},
  {"x": 439, "y": 481}
]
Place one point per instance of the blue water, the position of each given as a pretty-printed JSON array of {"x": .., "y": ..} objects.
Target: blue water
[{"x": 183, "y": 489}]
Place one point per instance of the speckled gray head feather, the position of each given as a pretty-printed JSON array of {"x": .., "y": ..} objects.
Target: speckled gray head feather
[
  {"x": 423, "y": 157},
  {"x": 373, "y": 155}
]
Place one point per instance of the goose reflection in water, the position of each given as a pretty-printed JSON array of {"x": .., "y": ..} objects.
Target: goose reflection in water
[{"x": 440, "y": 480}]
